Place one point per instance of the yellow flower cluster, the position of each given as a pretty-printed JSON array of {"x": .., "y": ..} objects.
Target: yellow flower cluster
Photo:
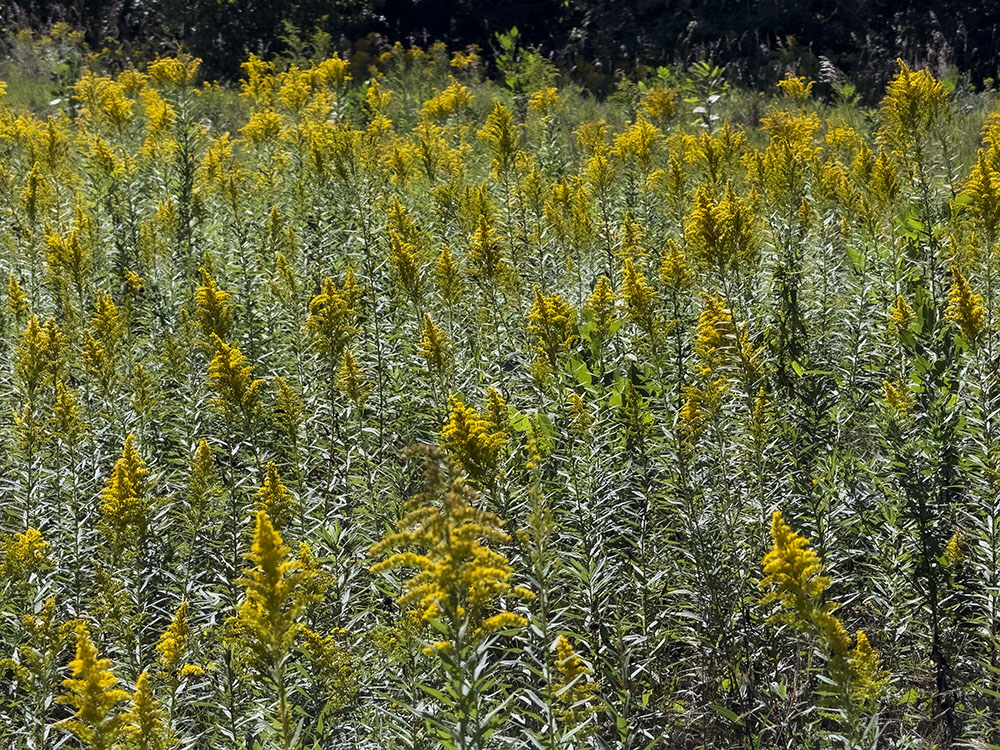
[
  {"x": 640, "y": 300},
  {"x": 793, "y": 578},
  {"x": 965, "y": 308},
  {"x": 332, "y": 315},
  {"x": 721, "y": 346},
  {"x": 23, "y": 555},
  {"x": 721, "y": 233},
  {"x": 552, "y": 323},
  {"x": 172, "y": 650},
  {"x": 275, "y": 499},
  {"x": 575, "y": 691},
  {"x": 268, "y": 620},
  {"x": 476, "y": 442},
  {"x": 214, "y": 312},
  {"x": 125, "y": 507},
  {"x": 445, "y": 538},
  {"x": 435, "y": 347},
  {"x": 914, "y": 102},
  {"x": 238, "y": 393},
  {"x": 93, "y": 694},
  {"x": 454, "y": 100},
  {"x": 795, "y": 88}
]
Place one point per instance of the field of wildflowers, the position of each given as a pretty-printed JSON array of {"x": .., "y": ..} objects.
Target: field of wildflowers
[{"x": 394, "y": 408}]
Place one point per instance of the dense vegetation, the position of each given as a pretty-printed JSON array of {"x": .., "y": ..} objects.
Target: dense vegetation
[
  {"x": 590, "y": 40},
  {"x": 406, "y": 411}
]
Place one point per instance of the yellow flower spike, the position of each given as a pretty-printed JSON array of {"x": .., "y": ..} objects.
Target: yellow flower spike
[
  {"x": 638, "y": 144},
  {"x": 552, "y": 323},
  {"x": 965, "y": 308},
  {"x": 351, "y": 380},
  {"x": 502, "y": 135},
  {"x": 721, "y": 234},
  {"x": 258, "y": 86},
  {"x": 632, "y": 235},
  {"x": 640, "y": 300},
  {"x": 125, "y": 507},
  {"x": 582, "y": 419},
  {"x": 23, "y": 555},
  {"x": 376, "y": 100},
  {"x": 455, "y": 99},
  {"x": 793, "y": 574},
  {"x": 181, "y": 72},
  {"x": 435, "y": 347},
  {"x": 263, "y": 127},
  {"x": 797, "y": 89},
  {"x": 489, "y": 267},
  {"x": 334, "y": 71},
  {"x": 66, "y": 414},
  {"x": 901, "y": 316},
  {"x": 295, "y": 88},
  {"x": 544, "y": 101},
  {"x": 592, "y": 137},
  {"x": 602, "y": 305},
  {"x": 289, "y": 411},
  {"x": 17, "y": 300},
  {"x": 474, "y": 441},
  {"x": 107, "y": 321},
  {"x": 147, "y": 721},
  {"x": 575, "y": 691},
  {"x": 99, "y": 363},
  {"x": 898, "y": 397},
  {"x": 659, "y": 105},
  {"x": 954, "y": 551},
  {"x": 172, "y": 648},
  {"x": 233, "y": 381},
  {"x": 331, "y": 317},
  {"x": 213, "y": 311},
  {"x": 983, "y": 187},
  {"x": 406, "y": 265},
  {"x": 675, "y": 273},
  {"x": 868, "y": 679},
  {"x": 793, "y": 577},
  {"x": 274, "y": 585},
  {"x": 914, "y": 102},
  {"x": 91, "y": 692},
  {"x": 275, "y": 499},
  {"x": 445, "y": 539},
  {"x": 160, "y": 115},
  {"x": 495, "y": 413}
]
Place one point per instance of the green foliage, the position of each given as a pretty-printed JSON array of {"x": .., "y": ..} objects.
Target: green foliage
[{"x": 623, "y": 332}]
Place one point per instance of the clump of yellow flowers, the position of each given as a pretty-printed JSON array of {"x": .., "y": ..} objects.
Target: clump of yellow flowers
[
  {"x": 475, "y": 441},
  {"x": 92, "y": 691},
  {"x": 793, "y": 579},
  {"x": 965, "y": 308},
  {"x": 459, "y": 578},
  {"x": 125, "y": 505}
]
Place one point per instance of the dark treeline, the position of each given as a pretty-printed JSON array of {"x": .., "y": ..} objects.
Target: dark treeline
[{"x": 592, "y": 41}]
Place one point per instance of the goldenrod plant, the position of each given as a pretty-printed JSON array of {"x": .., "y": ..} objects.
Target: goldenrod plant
[{"x": 626, "y": 327}]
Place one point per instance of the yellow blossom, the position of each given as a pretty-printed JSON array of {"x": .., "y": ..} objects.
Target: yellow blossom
[
  {"x": 23, "y": 555},
  {"x": 125, "y": 507},
  {"x": 576, "y": 692},
  {"x": 91, "y": 692},
  {"x": 232, "y": 380},
  {"x": 435, "y": 347},
  {"x": 552, "y": 322},
  {"x": 275, "y": 499},
  {"x": 473, "y": 440},
  {"x": 965, "y": 308},
  {"x": 445, "y": 538}
]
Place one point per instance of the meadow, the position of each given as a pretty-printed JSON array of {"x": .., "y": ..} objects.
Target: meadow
[{"x": 384, "y": 404}]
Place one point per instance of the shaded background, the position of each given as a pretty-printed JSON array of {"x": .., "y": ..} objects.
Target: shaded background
[{"x": 591, "y": 41}]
